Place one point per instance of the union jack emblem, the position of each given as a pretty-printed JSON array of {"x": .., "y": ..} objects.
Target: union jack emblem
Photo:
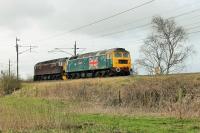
[{"x": 93, "y": 63}]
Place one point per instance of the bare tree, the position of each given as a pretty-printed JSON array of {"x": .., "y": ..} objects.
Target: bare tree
[{"x": 165, "y": 50}]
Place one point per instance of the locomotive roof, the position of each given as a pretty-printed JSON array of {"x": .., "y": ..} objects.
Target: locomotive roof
[
  {"x": 52, "y": 61},
  {"x": 96, "y": 53}
]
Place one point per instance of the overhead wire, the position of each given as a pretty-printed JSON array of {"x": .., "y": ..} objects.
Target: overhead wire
[
  {"x": 193, "y": 32},
  {"x": 150, "y": 16},
  {"x": 112, "y": 16},
  {"x": 142, "y": 39},
  {"x": 193, "y": 27},
  {"x": 100, "y": 20},
  {"x": 148, "y": 24}
]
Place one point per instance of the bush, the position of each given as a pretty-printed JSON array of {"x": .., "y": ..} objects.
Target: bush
[{"x": 8, "y": 84}]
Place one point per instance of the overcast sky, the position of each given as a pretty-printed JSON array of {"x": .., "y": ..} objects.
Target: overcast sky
[{"x": 45, "y": 23}]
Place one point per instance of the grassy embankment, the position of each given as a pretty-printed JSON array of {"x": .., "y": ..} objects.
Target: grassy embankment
[{"x": 124, "y": 104}]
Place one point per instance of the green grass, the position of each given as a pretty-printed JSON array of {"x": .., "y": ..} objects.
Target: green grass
[
  {"x": 142, "y": 124},
  {"x": 41, "y": 115},
  {"x": 139, "y": 124}
]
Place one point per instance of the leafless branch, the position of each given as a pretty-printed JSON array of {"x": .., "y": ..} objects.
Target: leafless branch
[{"x": 165, "y": 49}]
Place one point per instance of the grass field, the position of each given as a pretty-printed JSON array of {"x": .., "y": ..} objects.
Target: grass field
[
  {"x": 39, "y": 115},
  {"x": 118, "y": 105}
]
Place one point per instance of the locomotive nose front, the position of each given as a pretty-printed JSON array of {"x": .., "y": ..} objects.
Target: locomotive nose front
[{"x": 122, "y": 62}]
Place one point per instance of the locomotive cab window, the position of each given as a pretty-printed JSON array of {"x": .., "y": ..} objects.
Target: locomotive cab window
[
  {"x": 118, "y": 54},
  {"x": 126, "y": 55}
]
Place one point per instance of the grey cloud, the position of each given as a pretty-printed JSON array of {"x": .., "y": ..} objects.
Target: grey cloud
[{"x": 20, "y": 14}]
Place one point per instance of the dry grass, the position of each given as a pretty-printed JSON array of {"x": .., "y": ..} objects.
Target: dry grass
[
  {"x": 29, "y": 114},
  {"x": 175, "y": 95},
  {"x": 104, "y": 105}
]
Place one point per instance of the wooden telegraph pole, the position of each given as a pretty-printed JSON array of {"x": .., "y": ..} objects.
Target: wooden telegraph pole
[
  {"x": 17, "y": 50},
  {"x": 30, "y": 48},
  {"x": 9, "y": 68},
  {"x": 75, "y": 49}
]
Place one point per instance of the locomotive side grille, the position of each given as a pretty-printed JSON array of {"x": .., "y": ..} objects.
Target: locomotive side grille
[{"x": 123, "y": 61}]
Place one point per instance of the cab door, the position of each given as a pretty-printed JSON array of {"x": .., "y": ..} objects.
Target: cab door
[{"x": 109, "y": 60}]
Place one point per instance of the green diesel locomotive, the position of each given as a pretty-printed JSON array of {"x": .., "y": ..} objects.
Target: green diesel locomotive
[{"x": 112, "y": 62}]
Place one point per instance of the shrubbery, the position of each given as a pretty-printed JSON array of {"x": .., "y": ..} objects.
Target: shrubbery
[
  {"x": 8, "y": 83},
  {"x": 175, "y": 95}
]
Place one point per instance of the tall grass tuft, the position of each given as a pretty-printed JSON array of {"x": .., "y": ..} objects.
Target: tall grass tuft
[{"x": 8, "y": 83}]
